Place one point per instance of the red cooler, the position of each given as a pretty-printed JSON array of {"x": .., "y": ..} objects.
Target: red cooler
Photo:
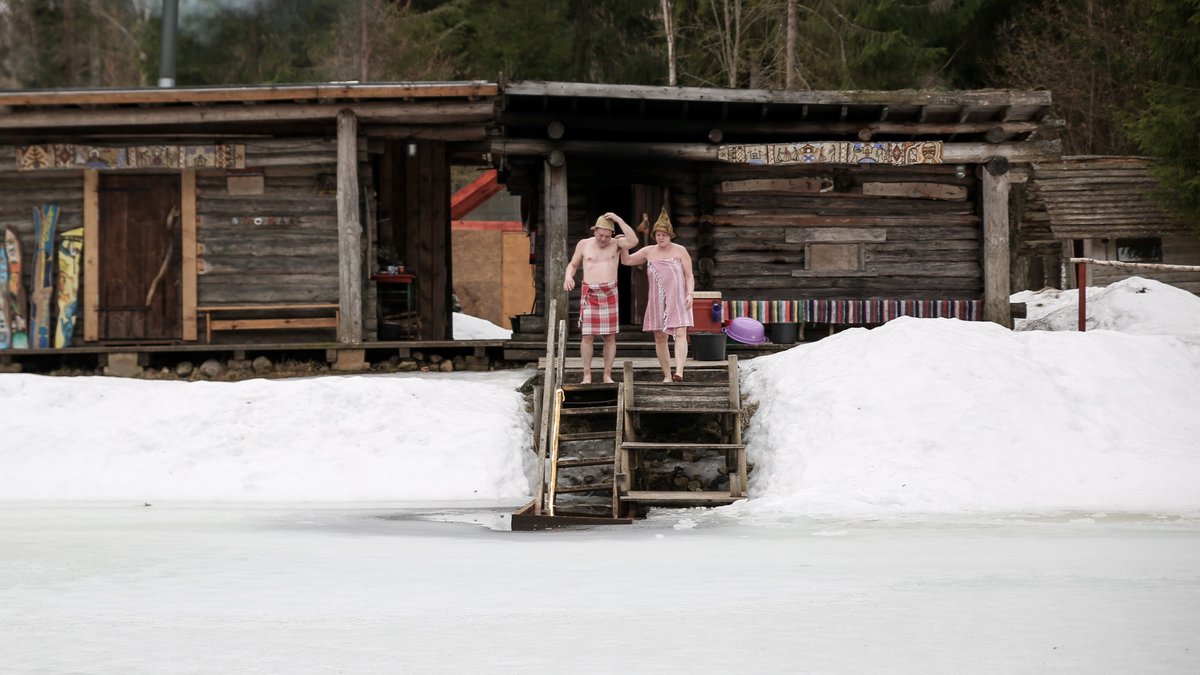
[{"x": 704, "y": 317}]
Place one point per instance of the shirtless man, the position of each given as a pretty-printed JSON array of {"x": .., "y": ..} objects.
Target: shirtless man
[{"x": 599, "y": 255}]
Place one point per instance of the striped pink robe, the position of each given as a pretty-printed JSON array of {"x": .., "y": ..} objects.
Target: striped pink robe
[{"x": 666, "y": 296}]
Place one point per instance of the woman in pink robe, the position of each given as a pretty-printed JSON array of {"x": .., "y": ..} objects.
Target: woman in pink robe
[{"x": 669, "y": 294}]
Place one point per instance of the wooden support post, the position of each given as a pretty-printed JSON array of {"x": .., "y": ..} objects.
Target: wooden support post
[
  {"x": 555, "y": 188},
  {"x": 995, "y": 249},
  {"x": 349, "y": 230},
  {"x": 1081, "y": 278},
  {"x": 91, "y": 255},
  {"x": 187, "y": 223}
]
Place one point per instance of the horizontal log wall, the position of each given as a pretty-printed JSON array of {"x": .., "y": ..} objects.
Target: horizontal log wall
[
  {"x": 1181, "y": 249},
  {"x": 291, "y": 256},
  {"x": 21, "y": 191},
  {"x": 917, "y": 230}
]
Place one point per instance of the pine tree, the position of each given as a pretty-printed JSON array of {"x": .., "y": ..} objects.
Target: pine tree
[{"x": 1168, "y": 125}]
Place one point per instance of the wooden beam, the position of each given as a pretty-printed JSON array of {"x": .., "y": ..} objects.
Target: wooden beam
[
  {"x": 349, "y": 230},
  {"x": 995, "y": 250},
  {"x": 448, "y": 113},
  {"x": 91, "y": 255},
  {"x": 243, "y": 94},
  {"x": 188, "y": 247},
  {"x": 717, "y": 95},
  {"x": 952, "y": 153},
  {"x": 555, "y": 224}
]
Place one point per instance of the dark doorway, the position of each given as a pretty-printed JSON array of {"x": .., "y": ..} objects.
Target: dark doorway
[{"x": 137, "y": 241}]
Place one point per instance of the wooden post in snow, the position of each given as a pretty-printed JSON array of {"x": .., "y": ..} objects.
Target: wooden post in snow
[
  {"x": 995, "y": 249},
  {"x": 349, "y": 230}
]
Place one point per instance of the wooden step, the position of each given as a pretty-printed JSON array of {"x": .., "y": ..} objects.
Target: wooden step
[
  {"x": 653, "y": 409},
  {"x": 587, "y": 436},
  {"x": 639, "y": 445},
  {"x": 593, "y": 487},
  {"x": 678, "y": 497},
  {"x": 591, "y": 410},
  {"x": 584, "y": 461},
  {"x": 594, "y": 386}
]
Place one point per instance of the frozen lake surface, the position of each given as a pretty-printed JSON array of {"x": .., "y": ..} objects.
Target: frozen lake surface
[{"x": 320, "y": 589}]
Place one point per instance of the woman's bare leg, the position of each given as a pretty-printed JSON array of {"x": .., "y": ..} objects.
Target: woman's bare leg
[
  {"x": 662, "y": 350},
  {"x": 681, "y": 350}
]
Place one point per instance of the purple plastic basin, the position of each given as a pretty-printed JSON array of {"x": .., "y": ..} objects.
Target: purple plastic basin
[{"x": 746, "y": 331}]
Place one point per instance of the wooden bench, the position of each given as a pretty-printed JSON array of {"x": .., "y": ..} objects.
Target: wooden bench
[{"x": 328, "y": 316}]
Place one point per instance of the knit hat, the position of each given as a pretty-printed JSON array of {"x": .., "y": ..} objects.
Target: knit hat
[
  {"x": 663, "y": 224},
  {"x": 603, "y": 223}
]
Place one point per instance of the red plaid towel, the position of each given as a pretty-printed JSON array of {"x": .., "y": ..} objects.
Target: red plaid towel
[{"x": 598, "y": 309}]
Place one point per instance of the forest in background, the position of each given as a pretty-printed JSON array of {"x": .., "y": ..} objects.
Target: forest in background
[{"x": 1123, "y": 74}]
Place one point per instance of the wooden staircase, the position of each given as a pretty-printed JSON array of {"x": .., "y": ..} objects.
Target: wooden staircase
[
  {"x": 668, "y": 424},
  {"x": 607, "y": 450}
]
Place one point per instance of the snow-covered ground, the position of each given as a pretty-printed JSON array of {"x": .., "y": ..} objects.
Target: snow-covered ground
[{"x": 931, "y": 496}]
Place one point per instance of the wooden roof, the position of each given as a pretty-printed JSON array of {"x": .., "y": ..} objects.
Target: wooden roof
[
  {"x": 1099, "y": 197},
  {"x": 696, "y": 114},
  {"x": 289, "y": 108}
]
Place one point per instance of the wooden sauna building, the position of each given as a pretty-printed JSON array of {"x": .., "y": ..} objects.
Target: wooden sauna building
[
  {"x": 1102, "y": 208},
  {"x": 823, "y": 208},
  {"x": 284, "y": 215}
]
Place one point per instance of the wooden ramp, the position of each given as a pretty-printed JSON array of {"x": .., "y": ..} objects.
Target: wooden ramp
[{"x": 602, "y": 448}]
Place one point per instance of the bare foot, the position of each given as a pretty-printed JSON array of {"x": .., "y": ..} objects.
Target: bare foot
[
  {"x": 667, "y": 380},
  {"x": 678, "y": 377},
  {"x": 608, "y": 380},
  {"x": 586, "y": 380}
]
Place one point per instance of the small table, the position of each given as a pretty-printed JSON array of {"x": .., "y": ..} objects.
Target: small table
[{"x": 396, "y": 304}]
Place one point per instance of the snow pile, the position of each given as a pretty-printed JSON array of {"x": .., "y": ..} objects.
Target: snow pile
[
  {"x": 945, "y": 416},
  {"x": 1133, "y": 305},
  {"x": 463, "y": 436},
  {"x": 467, "y": 327}
]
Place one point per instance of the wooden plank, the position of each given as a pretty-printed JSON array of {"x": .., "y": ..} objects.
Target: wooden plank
[
  {"x": 240, "y": 94},
  {"x": 386, "y": 113},
  {"x": 995, "y": 249},
  {"x": 188, "y": 292},
  {"x": 266, "y": 324},
  {"x": 810, "y": 185},
  {"x": 916, "y": 190},
  {"x": 349, "y": 231},
  {"x": 681, "y": 497},
  {"x": 798, "y": 235},
  {"x": 91, "y": 255}
]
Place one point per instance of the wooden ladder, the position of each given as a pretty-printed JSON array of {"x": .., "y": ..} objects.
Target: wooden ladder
[
  {"x": 583, "y": 451},
  {"x": 575, "y": 440},
  {"x": 692, "y": 418}
]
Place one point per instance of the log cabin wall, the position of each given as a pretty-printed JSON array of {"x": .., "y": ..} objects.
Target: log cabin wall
[
  {"x": 843, "y": 232},
  {"x": 24, "y": 190},
  {"x": 269, "y": 234}
]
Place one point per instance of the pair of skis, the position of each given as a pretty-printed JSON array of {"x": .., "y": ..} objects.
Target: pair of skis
[{"x": 19, "y": 329}]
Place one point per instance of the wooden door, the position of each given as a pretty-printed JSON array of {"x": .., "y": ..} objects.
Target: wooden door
[{"x": 136, "y": 242}]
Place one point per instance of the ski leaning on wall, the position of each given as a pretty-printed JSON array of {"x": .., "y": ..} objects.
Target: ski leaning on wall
[
  {"x": 18, "y": 303},
  {"x": 45, "y": 220},
  {"x": 70, "y": 251}
]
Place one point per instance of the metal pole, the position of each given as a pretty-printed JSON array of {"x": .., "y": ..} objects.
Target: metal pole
[
  {"x": 1081, "y": 279},
  {"x": 170, "y": 25}
]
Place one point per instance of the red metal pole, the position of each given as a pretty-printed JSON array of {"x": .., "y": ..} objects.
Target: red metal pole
[{"x": 1081, "y": 279}]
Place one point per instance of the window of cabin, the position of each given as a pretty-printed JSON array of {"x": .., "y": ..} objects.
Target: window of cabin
[
  {"x": 834, "y": 257},
  {"x": 1145, "y": 249}
]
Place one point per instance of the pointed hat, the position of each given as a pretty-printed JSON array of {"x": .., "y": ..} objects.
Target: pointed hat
[{"x": 663, "y": 224}]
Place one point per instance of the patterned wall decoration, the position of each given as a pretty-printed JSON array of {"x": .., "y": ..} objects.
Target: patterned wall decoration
[
  {"x": 71, "y": 156},
  {"x": 833, "y": 152}
]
